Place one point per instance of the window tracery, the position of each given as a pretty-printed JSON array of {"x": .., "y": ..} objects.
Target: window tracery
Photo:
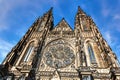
[
  {"x": 29, "y": 51},
  {"x": 58, "y": 55},
  {"x": 86, "y": 77},
  {"x": 91, "y": 53}
]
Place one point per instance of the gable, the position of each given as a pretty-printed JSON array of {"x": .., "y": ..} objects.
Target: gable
[{"x": 62, "y": 26}]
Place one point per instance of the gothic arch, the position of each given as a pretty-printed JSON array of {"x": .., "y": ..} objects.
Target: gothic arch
[
  {"x": 28, "y": 51},
  {"x": 89, "y": 42},
  {"x": 31, "y": 40},
  {"x": 35, "y": 42}
]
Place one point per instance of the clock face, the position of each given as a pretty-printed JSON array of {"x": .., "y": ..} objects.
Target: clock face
[{"x": 59, "y": 55}]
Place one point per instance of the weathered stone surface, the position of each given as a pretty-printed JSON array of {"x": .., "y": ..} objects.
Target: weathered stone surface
[{"x": 61, "y": 53}]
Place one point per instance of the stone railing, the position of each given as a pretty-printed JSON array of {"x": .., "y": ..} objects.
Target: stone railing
[
  {"x": 83, "y": 68},
  {"x": 102, "y": 75},
  {"x": 44, "y": 73}
]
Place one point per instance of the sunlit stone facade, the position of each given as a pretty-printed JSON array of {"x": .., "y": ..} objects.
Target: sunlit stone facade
[{"x": 60, "y": 53}]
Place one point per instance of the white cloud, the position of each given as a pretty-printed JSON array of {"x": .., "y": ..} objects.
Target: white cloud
[
  {"x": 6, "y": 7},
  {"x": 112, "y": 41},
  {"x": 108, "y": 37},
  {"x": 117, "y": 51},
  {"x": 116, "y": 16},
  {"x": 3, "y": 26},
  {"x": 5, "y": 47},
  {"x": 105, "y": 12},
  {"x": 4, "y": 10}
]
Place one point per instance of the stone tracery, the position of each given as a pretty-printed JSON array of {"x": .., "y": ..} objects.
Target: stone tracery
[{"x": 58, "y": 54}]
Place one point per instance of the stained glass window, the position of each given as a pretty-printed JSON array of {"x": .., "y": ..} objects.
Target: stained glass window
[
  {"x": 28, "y": 52},
  {"x": 86, "y": 77},
  {"x": 91, "y": 53},
  {"x": 59, "y": 55}
]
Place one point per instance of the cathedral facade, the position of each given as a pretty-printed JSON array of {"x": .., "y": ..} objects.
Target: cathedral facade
[{"x": 60, "y": 53}]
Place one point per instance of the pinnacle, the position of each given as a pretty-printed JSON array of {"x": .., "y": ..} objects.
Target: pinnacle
[
  {"x": 49, "y": 12},
  {"x": 51, "y": 9},
  {"x": 63, "y": 19},
  {"x": 80, "y": 11}
]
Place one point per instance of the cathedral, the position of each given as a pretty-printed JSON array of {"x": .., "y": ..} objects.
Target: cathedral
[{"x": 48, "y": 52}]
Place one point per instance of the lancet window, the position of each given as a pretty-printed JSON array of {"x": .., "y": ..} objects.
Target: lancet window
[
  {"x": 91, "y": 53},
  {"x": 29, "y": 51}
]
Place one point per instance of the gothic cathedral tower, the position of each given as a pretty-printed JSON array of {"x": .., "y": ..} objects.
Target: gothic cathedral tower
[{"x": 60, "y": 53}]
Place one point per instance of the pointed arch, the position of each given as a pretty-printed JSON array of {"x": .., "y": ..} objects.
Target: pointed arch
[
  {"x": 33, "y": 41},
  {"x": 91, "y": 53},
  {"x": 91, "y": 57},
  {"x": 29, "y": 51}
]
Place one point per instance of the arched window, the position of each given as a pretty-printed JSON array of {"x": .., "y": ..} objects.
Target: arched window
[
  {"x": 86, "y": 77},
  {"x": 29, "y": 51},
  {"x": 91, "y": 54}
]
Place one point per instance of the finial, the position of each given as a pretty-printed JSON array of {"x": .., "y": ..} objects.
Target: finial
[
  {"x": 51, "y": 9},
  {"x": 63, "y": 18},
  {"x": 80, "y": 10}
]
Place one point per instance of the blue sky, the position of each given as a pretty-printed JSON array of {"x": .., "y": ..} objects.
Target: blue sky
[{"x": 16, "y": 16}]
